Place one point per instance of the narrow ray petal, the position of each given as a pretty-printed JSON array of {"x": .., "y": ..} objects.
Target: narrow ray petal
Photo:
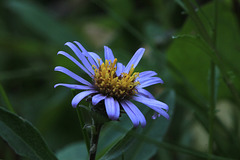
[
  {"x": 151, "y": 81},
  {"x": 134, "y": 60},
  {"x": 163, "y": 113},
  {"x": 85, "y": 52},
  {"x": 74, "y": 48},
  {"x": 110, "y": 107},
  {"x": 91, "y": 60},
  {"x": 130, "y": 114},
  {"x": 152, "y": 103},
  {"x": 80, "y": 56},
  {"x": 97, "y": 98},
  {"x": 120, "y": 68},
  {"x": 75, "y": 61},
  {"x": 74, "y": 86},
  {"x": 145, "y": 93},
  {"x": 80, "y": 96},
  {"x": 147, "y": 74},
  {"x": 117, "y": 110},
  {"x": 71, "y": 74},
  {"x": 96, "y": 58},
  {"x": 137, "y": 112},
  {"x": 108, "y": 54}
]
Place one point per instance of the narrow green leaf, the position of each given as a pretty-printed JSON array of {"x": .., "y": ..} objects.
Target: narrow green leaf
[
  {"x": 23, "y": 137},
  {"x": 142, "y": 150},
  {"x": 152, "y": 140},
  {"x": 131, "y": 147},
  {"x": 110, "y": 136},
  {"x": 119, "y": 149}
]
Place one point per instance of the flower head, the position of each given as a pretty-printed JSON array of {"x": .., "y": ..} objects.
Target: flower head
[{"x": 113, "y": 83}]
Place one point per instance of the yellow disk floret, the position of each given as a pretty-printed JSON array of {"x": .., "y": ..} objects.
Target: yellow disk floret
[{"x": 108, "y": 83}]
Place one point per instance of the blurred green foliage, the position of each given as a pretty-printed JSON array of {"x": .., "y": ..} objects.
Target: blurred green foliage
[{"x": 32, "y": 32}]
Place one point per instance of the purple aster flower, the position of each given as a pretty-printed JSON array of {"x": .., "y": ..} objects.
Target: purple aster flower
[{"x": 113, "y": 84}]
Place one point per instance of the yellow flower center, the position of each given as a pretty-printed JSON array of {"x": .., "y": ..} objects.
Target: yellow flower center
[{"x": 108, "y": 83}]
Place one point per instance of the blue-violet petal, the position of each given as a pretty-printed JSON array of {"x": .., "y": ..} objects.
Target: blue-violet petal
[
  {"x": 134, "y": 60},
  {"x": 71, "y": 74},
  {"x": 80, "y": 96}
]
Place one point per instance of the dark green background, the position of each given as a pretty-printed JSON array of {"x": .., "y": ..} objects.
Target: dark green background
[{"x": 32, "y": 32}]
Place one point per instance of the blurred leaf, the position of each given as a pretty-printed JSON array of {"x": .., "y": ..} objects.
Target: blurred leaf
[
  {"x": 75, "y": 151},
  {"x": 109, "y": 136},
  {"x": 181, "y": 4},
  {"x": 155, "y": 129},
  {"x": 189, "y": 54},
  {"x": 120, "y": 148},
  {"x": 173, "y": 147},
  {"x": 231, "y": 144},
  {"x": 133, "y": 148},
  {"x": 23, "y": 137},
  {"x": 40, "y": 21}
]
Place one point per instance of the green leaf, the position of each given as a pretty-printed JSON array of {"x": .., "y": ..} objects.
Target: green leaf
[
  {"x": 75, "y": 151},
  {"x": 119, "y": 149},
  {"x": 23, "y": 137},
  {"x": 132, "y": 147},
  {"x": 110, "y": 136},
  {"x": 142, "y": 150},
  {"x": 190, "y": 54}
]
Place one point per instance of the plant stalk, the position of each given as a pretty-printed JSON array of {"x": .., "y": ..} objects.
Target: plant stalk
[
  {"x": 94, "y": 141},
  {"x": 213, "y": 84}
]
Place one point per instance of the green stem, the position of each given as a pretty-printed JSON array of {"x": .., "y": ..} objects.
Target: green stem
[
  {"x": 94, "y": 141},
  {"x": 5, "y": 98},
  {"x": 84, "y": 132},
  {"x": 215, "y": 23},
  {"x": 196, "y": 19},
  {"x": 213, "y": 91},
  {"x": 212, "y": 105}
]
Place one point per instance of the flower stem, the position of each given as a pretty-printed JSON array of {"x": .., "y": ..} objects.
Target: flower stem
[
  {"x": 5, "y": 98},
  {"x": 84, "y": 132},
  {"x": 94, "y": 141}
]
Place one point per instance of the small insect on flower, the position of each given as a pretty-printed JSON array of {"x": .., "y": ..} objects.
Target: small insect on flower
[{"x": 113, "y": 84}]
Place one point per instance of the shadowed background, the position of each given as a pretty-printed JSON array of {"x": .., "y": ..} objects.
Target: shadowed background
[{"x": 32, "y": 32}]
